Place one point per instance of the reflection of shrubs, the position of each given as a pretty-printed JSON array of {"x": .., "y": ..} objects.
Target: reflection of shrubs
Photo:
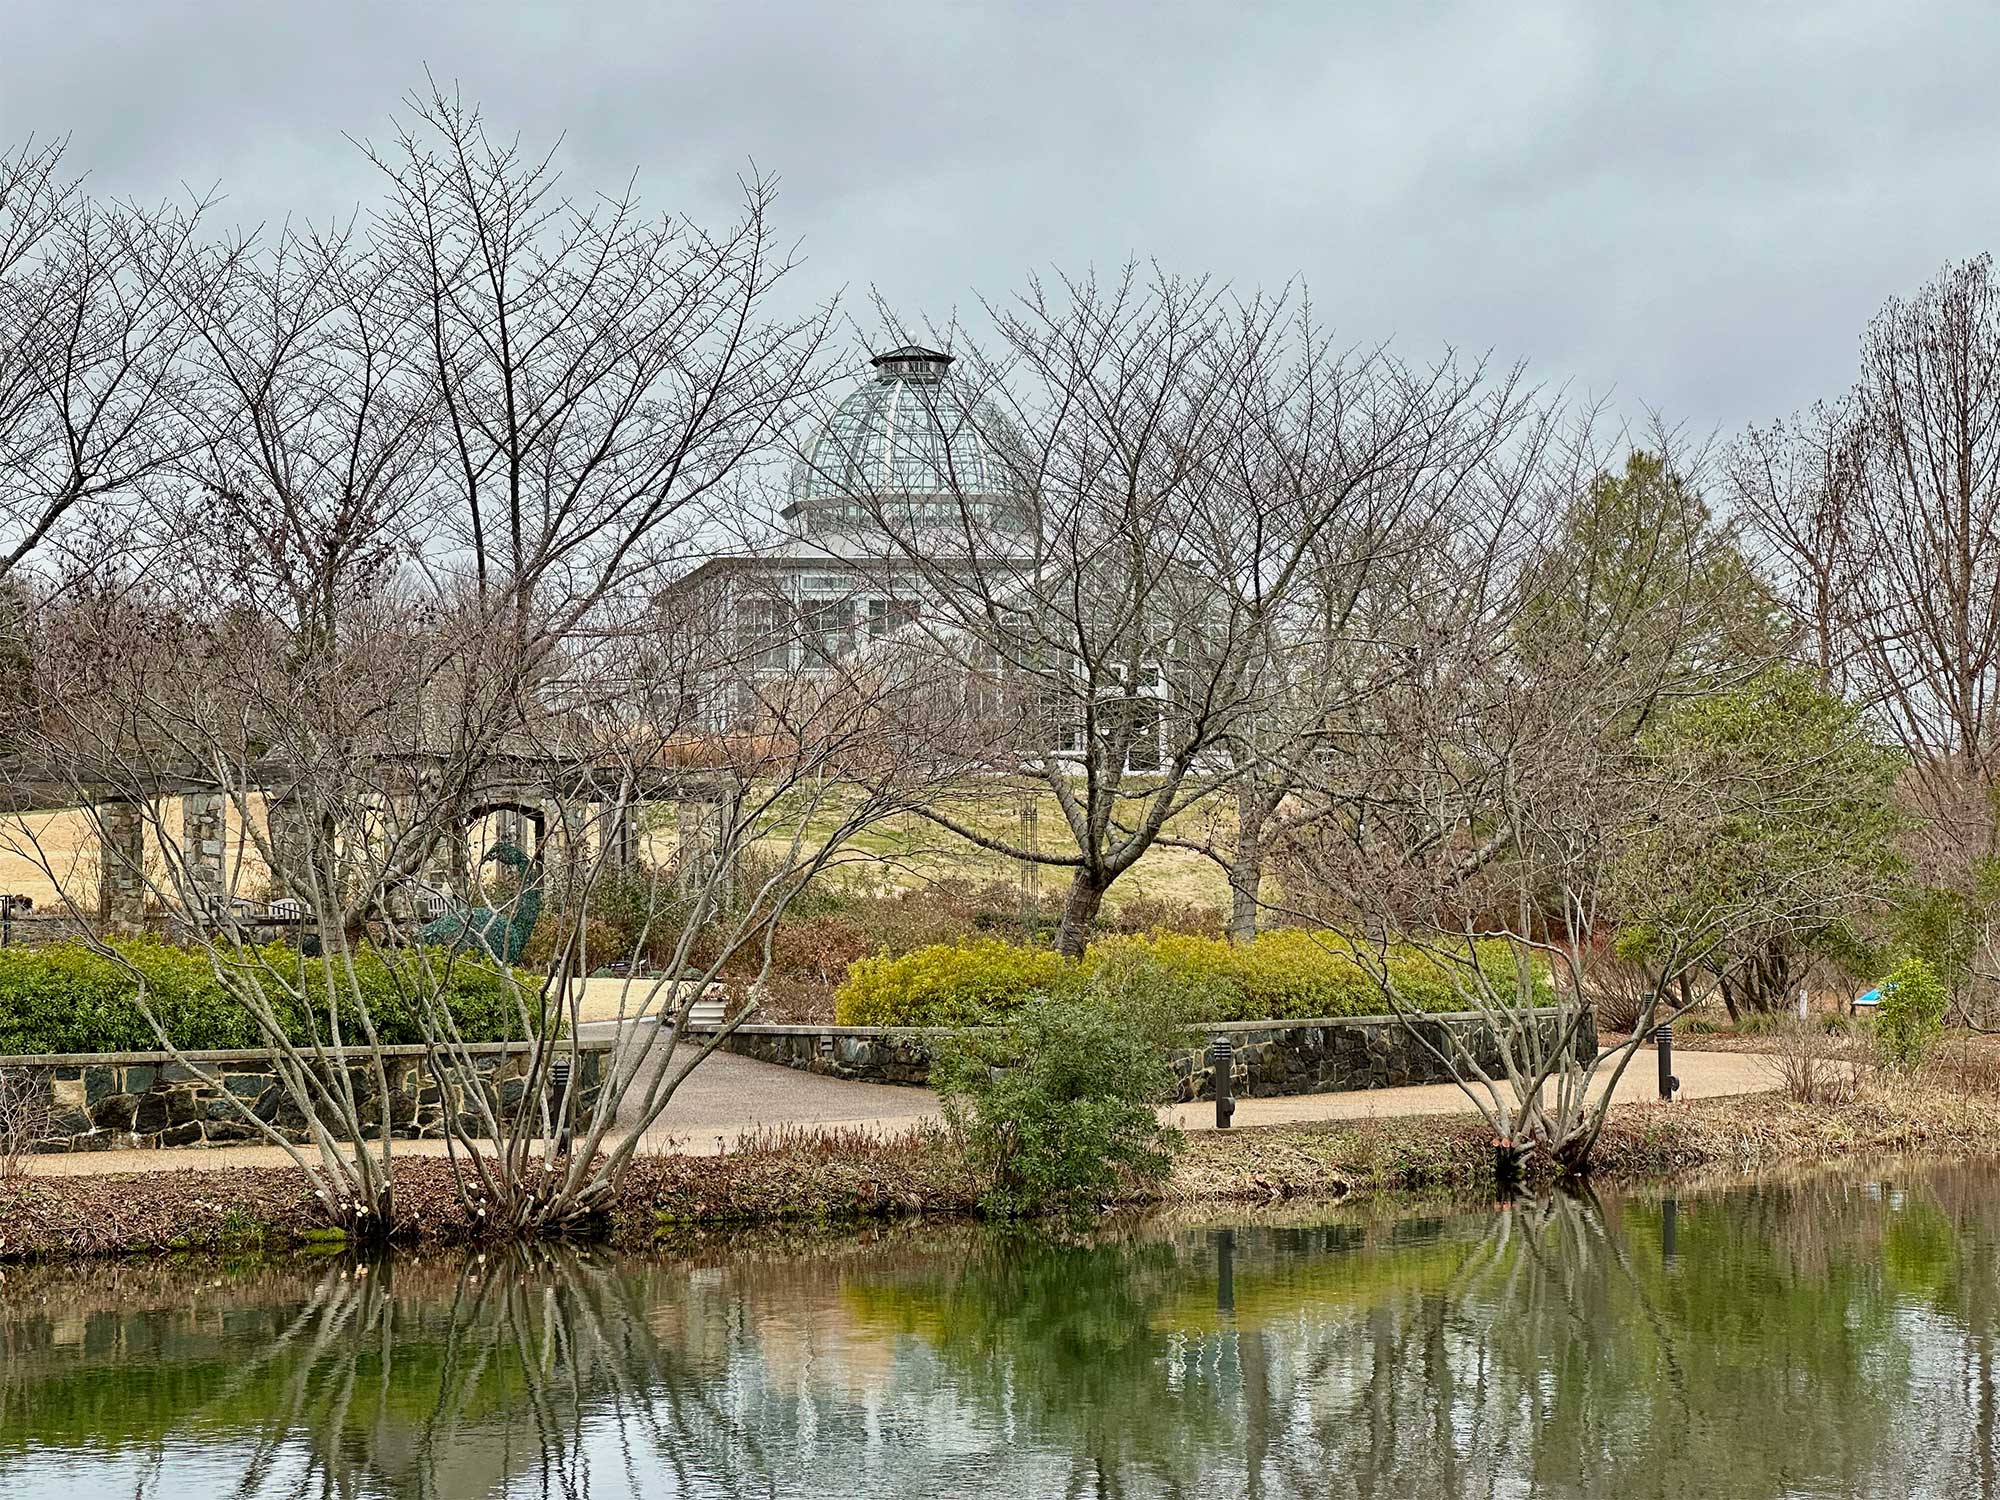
[
  {"x": 1287, "y": 974},
  {"x": 1059, "y": 1103},
  {"x": 1911, "y": 1012}
]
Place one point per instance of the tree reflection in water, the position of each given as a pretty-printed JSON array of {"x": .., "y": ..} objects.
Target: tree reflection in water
[{"x": 1828, "y": 1337}]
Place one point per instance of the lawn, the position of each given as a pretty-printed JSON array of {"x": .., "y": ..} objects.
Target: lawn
[{"x": 909, "y": 851}]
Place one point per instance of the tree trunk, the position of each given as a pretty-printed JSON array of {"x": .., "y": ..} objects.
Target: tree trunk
[
  {"x": 1729, "y": 999},
  {"x": 1079, "y": 918},
  {"x": 1510, "y": 1161},
  {"x": 1246, "y": 865}
]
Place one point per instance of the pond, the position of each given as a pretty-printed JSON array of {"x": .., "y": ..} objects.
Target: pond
[{"x": 1829, "y": 1336}]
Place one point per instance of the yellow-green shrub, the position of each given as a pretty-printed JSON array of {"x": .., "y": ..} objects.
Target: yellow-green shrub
[
  {"x": 1294, "y": 973},
  {"x": 949, "y": 984},
  {"x": 1287, "y": 974}
]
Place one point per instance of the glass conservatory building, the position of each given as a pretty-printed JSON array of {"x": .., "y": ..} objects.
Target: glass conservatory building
[
  {"x": 906, "y": 479},
  {"x": 908, "y": 440}
]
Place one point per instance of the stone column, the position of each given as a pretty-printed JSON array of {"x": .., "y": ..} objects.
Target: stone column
[
  {"x": 290, "y": 840},
  {"x": 121, "y": 867},
  {"x": 204, "y": 824},
  {"x": 697, "y": 833},
  {"x": 565, "y": 822},
  {"x": 508, "y": 829},
  {"x": 618, "y": 832}
]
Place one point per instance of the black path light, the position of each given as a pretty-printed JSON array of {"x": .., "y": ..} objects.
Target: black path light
[
  {"x": 1222, "y": 1067},
  {"x": 559, "y": 1086},
  {"x": 1663, "y": 1040}
]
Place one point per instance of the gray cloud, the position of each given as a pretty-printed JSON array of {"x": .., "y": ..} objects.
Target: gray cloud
[{"x": 1694, "y": 205}]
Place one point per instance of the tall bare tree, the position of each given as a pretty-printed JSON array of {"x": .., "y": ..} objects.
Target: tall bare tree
[
  {"x": 1884, "y": 514},
  {"x": 1482, "y": 809},
  {"x": 435, "y": 467},
  {"x": 93, "y": 323},
  {"x": 1177, "y": 465}
]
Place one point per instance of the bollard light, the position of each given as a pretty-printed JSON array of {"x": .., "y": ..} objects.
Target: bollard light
[
  {"x": 559, "y": 1086},
  {"x": 1663, "y": 1041},
  {"x": 1222, "y": 1068}
]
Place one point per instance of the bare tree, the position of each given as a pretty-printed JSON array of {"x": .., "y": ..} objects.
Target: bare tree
[
  {"x": 1883, "y": 513},
  {"x": 93, "y": 324},
  {"x": 1499, "y": 779},
  {"x": 1796, "y": 484},
  {"x": 1115, "y": 605},
  {"x": 436, "y": 471}
]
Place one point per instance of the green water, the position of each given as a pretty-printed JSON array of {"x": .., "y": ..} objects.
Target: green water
[{"x": 1827, "y": 1337}]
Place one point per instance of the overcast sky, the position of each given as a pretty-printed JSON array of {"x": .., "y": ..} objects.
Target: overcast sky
[{"x": 1695, "y": 205}]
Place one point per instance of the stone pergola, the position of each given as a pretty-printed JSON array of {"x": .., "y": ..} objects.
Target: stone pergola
[{"x": 570, "y": 809}]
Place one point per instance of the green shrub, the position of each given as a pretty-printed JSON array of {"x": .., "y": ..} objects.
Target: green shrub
[
  {"x": 67, "y": 998},
  {"x": 1060, "y": 1101},
  {"x": 949, "y": 984},
  {"x": 1911, "y": 1012},
  {"x": 1287, "y": 974}
]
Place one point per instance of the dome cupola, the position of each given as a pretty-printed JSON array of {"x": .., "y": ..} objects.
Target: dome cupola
[{"x": 911, "y": 435}]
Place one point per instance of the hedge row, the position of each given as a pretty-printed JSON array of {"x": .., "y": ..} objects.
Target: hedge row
[
  {"x": 66, "y": 998},
  {"x": 1288, "y": 974}
]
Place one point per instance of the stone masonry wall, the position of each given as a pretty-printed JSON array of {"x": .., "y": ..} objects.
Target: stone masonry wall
[
  {"x": 1272, "y": 1058},
  {"x": 868, "y": 1054},
  {"x": 1333, "y": 1056},
  {"x": 140, "y": 1100}
]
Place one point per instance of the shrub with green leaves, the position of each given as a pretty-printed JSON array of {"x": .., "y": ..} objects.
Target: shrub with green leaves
[
  {"x": 1059, "y": 1103},
  {"x": 68, "y": 998},
  {"x": 1295, "y": 973},
  {"x": 1911, "y": 1013},
  {"x": 1286, "y": 974},
  {"x": 950, "y": 984}
]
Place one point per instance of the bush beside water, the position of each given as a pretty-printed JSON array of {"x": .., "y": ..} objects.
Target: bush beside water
[
  {"x": 1287, "y": 974},
  {"x": 66, "y": 998},
  {"x": 1910, "y": 1016},
  {"x": 1059, "y": 1103}
]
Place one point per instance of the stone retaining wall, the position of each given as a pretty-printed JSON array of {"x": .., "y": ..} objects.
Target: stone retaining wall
[
  {"x": 1272, "y": 1058},
  {"x": 868, "y": 1054},
  {"x": 140, "y": 1100}
]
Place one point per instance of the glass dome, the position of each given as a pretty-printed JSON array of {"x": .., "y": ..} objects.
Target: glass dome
[{"x": 909, "y": 432}]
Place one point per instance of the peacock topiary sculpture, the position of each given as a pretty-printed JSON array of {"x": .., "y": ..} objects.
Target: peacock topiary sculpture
[{"x": 499, "y": 933}]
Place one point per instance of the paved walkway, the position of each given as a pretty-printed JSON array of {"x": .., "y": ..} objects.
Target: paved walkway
[{"x": 729, "y": 1097}]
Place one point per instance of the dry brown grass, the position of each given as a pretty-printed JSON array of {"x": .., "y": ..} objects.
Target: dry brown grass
[
  {"x": 1817, "y": 1066},
  {"x": 51, "y": 855}
]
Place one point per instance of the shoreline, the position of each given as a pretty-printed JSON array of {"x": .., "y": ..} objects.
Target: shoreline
[{"x": 833, "y": 1177}]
